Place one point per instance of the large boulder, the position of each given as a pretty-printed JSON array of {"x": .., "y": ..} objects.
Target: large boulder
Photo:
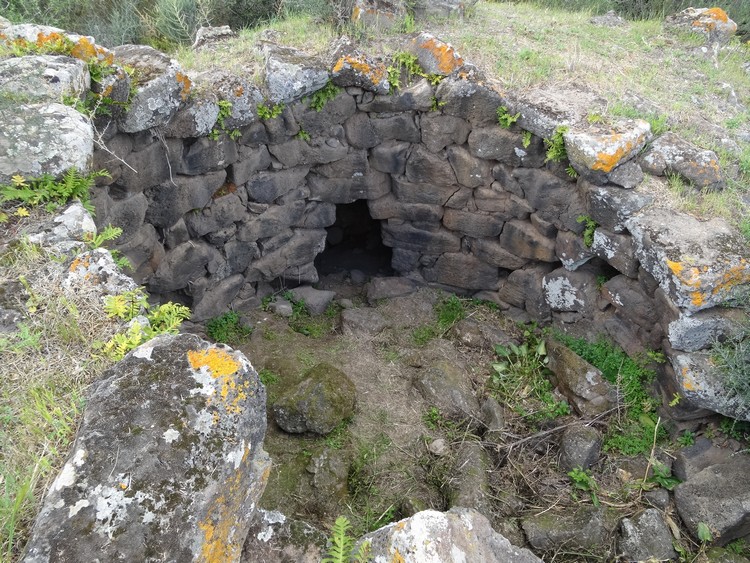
[
  {"x": 156, "y": 99},
  {"x": 44, "y": 78},
  {"x": 461, "y": 534},
  {"x": 713, "y": 23},
  {"x": 670, "y": 154},
  {"x": 699, "y": 264},
  {"x": 169, "y": 460},
  {"x": 43, "y": 139}
]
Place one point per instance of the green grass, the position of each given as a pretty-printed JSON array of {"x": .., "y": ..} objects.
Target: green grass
[
  {"x": 228, "y": 329},
  {"x": 45, "y": 370},
  {"x": 423, "y": 334},
  {"x": 633, "y": 434}
]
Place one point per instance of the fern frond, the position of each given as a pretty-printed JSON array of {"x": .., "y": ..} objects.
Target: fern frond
[{"x": 341, "y": 543}]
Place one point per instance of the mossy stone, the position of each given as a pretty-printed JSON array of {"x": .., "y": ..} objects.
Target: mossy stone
[{"x": 318, "y": 403}]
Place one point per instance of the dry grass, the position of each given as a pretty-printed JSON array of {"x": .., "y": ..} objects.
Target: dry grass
[{"x": 43, "y": 377}]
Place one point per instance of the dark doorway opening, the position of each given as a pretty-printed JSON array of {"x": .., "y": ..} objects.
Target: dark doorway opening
[{"x": 354, "y": 242}]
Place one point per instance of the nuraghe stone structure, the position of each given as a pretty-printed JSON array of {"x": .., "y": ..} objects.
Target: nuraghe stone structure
[{"x": 222, "y": 186}]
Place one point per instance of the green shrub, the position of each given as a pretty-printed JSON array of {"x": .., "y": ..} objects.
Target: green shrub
[
  {"x": 450, "y": 311},
  {"x": 228, "y": 329}
]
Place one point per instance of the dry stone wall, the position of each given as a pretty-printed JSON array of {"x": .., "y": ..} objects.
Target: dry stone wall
[{"x": 216, "y": 202}]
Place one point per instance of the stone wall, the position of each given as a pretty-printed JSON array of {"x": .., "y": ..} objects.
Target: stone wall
[{"x": 215, "y": 202}]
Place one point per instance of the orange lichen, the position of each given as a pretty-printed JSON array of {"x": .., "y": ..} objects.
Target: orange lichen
[
  {"x": 375, "y": 73},
  {"x": 688, "y": 383},
  {"x": 356, "y": 12},
  {"x": 607, "y": 159},
  {"x": 693, "y": 277},
  {"x": 397, "y": 557},
  {"x": 239, "y": 91},
  {"x": 184, "y": 81},
  {"x": 79, "y": 262},
  {"x": 84, "y": 50},
  {"x": 717, "y": 14},
  {"x": 446, "y": 57},
  {"x": 222, "y": 542},
  {"x": 219, "y": 362}
]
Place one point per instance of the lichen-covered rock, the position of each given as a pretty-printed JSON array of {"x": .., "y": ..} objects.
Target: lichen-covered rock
[
  {"x": 587, "y": 528},
  {"x": 714, "y": 23},
  {"x": 442, "y": 8},
  {"x": 354, "y": 68},
  {"x": 581, "y": 382},
  {"x": 276, "y": 538},
  {"x": 646, "y": 537},
  {"x": 435, "y": 56},
  {"x": 704, "y": 386},
  {"x": 542, "y": 110},
  {"x": 240, "y": 93},
  {"x": 447, "y": 386},
  {"x": 168, "y": 463},
  {"x": 670, "y": 154},
  {"x": 700, "y": 330},
  {"x": 601, "y": 149},
  {"x": 699, "y": 264},
  {"x": 207, "y": 36},
  {"x": 611, "y": 206},
  {"x": 718, "y": 496},
  {"x": 66, "y": 231},
  {"x": 162, "y": 89},
  {"x": 318, "y": 403},
  {"x": 382, "y": 14},
  {"x": 461, "y": 534},
  {"x": 44, "y": 139},
  {"x": 291, "y": 74},
  {"x": 44, "y": 78}
]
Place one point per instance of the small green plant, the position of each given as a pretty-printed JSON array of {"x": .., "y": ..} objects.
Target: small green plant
[
  {"x": 164, "y": 319},
  {"x": 744, "y": 227},
  {"x": 50, "y": 192},
  {"x": 583, "y": 480},
  {"x": 634, "y": 433},
  {"x": 268, "y": 377},
  {"x": 738, "y": 547},
  {"x": 505, "y": 119},
  {"x": 96, "y": 240},
  {"x": 437, "y": 105},
  {"x": 423, "y": 334},
  {"x": 526, "y": 139},
  {"x": 571, "y": 172},
  {"x": 302, "y": 322},
  {"x": 588, "y": 231},
  {"x": 341, "y": 545},
  {"x": 303, "y": 135},
  {"x": 449, "y": 311},
  {"x": 686, "y": 439},
  {"x": 662, "y": 476},
  {"x": 521, "y": 379},
  {"x": 268, "y": 110},
  {"x": 327, "y": 93},
  {"x": 704, "y": 533},
  {"x": 228, "y": 329},
  {"x": 556, "y": 145},
  {"x": 407, "y": 24},
  {"x": 338, "y": 437},
  {"x": 225, "y": 111},
  {"x": 410, "y": 64},
  {"x": 735, "y": 429}
]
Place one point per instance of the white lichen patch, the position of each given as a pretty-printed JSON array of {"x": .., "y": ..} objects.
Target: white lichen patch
[
  {"x": 235, "y": 456},
  {"x": 111, "y": 508},
  {"x": 144, "y": 351},
  {"x": 203, "y": 423},
  {"x": 269, "y": 518},
  {"x": 561, "y": 295},
  {"x": 206, "y": 381},
  {"x": 171, "y": 435},
  {"x": 73, "y": 510},
  {"x": 604, "y": 244},
  {"x": 66, "y": 478}
]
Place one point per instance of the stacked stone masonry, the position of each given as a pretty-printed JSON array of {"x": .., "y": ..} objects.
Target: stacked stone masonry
[{"x": 214, "y": 209}]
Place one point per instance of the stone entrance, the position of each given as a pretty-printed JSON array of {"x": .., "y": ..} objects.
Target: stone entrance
[{"x": 354, "y": 242}]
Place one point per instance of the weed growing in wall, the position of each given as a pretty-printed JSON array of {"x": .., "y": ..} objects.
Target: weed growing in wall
[
  {"x": 521, "y": 379},
  {"x": 164, "y": 319},
  {"x": 556, "y": 145},
  {"x": 267, "y": 110},
  {"x": 341, "y": 545},
  {"x": 320, "y": 98},
  {"x": 505, "y": 119},
  {"x": 589, "y": 227},
  {"x": 225, "y": 111},
  {"x": 406, "y": 62}
]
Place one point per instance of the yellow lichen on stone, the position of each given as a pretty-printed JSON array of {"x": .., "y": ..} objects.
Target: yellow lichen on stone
[
  {"x": 688, "y": 383},
  {"x": 397, "y": 557},
  {"x": 376, "y": 74},
  {"x": 717, "y": 14},
  {"x": 446, "y": 57},
  {"x": 218, "y": 362},
  {"x": 221, "y": 540},
  {"x": 184, "y": 81},
  {"x": 84, "y": 50}
]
